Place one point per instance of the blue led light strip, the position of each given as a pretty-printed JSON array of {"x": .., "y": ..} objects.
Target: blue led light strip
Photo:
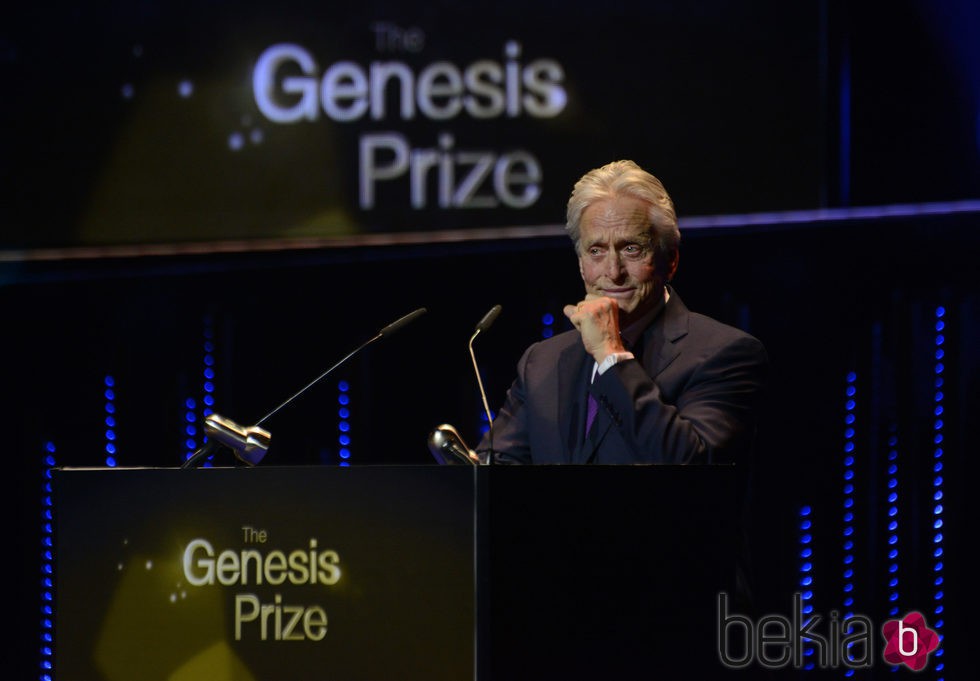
[
  {"x": 850, "y": 418},
  {"x": 343, "y": 423},
  {"x": 47, "y": 568},
  {"x": 190, "y": 427},
  {"x": 110, "y": 421},
  {"x": 892, "y": 534},
  {"x": 208, "y": 385},
  {"x": 939, "y": 370},
  {"x": 192, "y": 419},
  {"x": 806, "y": 572}
]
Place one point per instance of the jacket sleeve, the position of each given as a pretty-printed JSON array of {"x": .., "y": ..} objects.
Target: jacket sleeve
[
  {"x": 509, "y": 441},
  {"x": 711, "y": 418}
]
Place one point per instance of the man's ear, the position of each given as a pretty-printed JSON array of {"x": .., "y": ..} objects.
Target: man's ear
[
  {"x": 581, "y": 270},
  {"x": 672, "y": 265}
]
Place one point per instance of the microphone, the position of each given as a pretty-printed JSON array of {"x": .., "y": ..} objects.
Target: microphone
[
  {"x": 399, "y": 323},
  {"x": 251, "y": 443},
  {"x": 488, "y": 319},
  {"x": 386, "y": 331},
  {"x": 448, "y": 447},
  {"x": 482, "y": 326}
]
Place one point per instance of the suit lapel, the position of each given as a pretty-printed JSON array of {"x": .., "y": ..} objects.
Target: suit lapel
[{"x": 662, "y": 341}]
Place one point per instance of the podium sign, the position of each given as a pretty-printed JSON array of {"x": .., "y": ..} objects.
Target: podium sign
[{"x": 249, "y": 574}]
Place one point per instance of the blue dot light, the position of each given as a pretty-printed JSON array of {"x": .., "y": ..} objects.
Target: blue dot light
[{"x": 547, "y": 325}]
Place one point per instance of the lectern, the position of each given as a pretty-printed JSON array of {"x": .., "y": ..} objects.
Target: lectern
[
  {"x": 604, "y": 572},
  {"x": 386, "y": 573}
]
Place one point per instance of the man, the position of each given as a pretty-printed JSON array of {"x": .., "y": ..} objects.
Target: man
[{"x": 640, "y": 379}]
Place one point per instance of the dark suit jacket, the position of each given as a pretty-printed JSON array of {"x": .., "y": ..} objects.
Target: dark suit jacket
[{"x": 690, "y": 396}]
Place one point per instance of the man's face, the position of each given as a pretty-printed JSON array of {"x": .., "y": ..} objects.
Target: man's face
[{"x": 616, "y": 255}]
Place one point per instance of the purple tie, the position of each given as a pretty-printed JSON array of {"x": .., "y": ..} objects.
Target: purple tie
[{"x": 593, "y": 410}]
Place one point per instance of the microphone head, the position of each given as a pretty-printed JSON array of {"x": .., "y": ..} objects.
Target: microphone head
[
  {"x": 249, "y": 444},
  {"x": 256, "y": 445},
  {"x": 488, "y": 319},
  {"x": 447, "y": 447},
  {"x": 399, "y": 323}
]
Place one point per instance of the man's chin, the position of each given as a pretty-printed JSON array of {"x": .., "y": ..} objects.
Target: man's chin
[
  {"x": 634, "y": 309},
  {"x": 626, "y": 308}
]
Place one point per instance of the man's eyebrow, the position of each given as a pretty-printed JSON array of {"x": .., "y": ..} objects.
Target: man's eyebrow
[{"x": 645, "y": 239}]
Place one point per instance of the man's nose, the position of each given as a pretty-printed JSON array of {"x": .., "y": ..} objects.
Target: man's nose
[{"x": 613, "y": 266}]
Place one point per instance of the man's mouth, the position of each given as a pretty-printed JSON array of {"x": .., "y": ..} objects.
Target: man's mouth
[{"x": 618, "y": 292}]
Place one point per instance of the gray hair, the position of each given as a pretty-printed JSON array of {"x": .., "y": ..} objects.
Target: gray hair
[{"x": 625, "y": 178}]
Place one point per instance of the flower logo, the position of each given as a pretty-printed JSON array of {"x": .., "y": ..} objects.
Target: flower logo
[{"x": 909, "y": 641}]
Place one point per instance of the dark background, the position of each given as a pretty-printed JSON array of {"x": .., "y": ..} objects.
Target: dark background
[{"x": 865, "y": 115}]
